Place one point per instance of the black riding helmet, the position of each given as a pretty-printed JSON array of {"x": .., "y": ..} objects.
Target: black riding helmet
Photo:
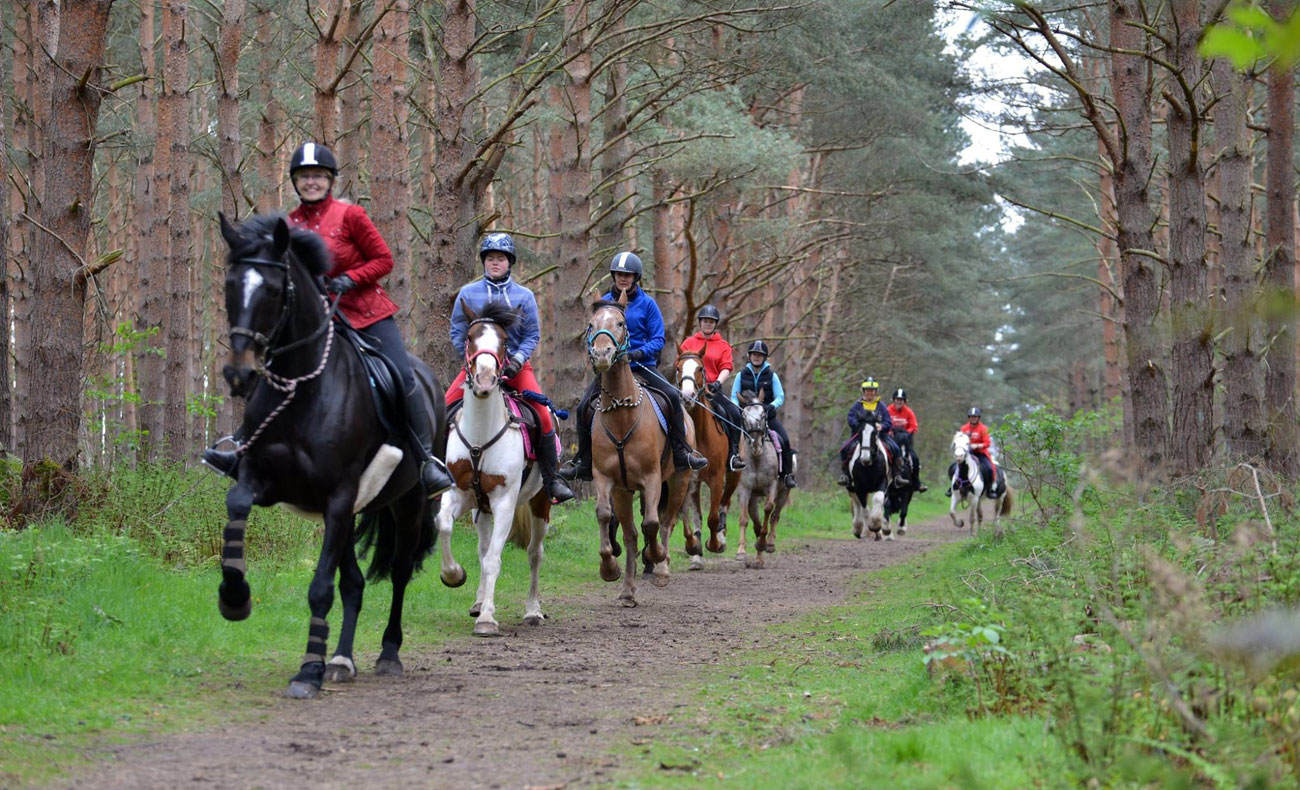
[
  {"x": 709, "y": 311},
  {"x": 627, "y": 263},
  {"x": 758, "y": 347},
  {"x": 900, "y": 394},
  {"x": 974, "y": 412},
  {"x": 313, "y": 155}
]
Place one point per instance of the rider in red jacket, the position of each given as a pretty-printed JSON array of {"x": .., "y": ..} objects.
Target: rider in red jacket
[
  {"x": 716, "y": 354},
  {"x": 361, "y": 260},
  {"x": 980, "y": 442},
  {"x": 905, "y": 427}
]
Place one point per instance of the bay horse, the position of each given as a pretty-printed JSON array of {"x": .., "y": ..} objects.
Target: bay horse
[
  {"x": 868, "y": 481},
  {"x": 316, "y": 443},
  {"x": 486, "y": 457},
  {"x": 711, "y": 441},
  {"x": 760, "y": 480},
  {"x": 630, "y": 455},
  {"x": 969, "y": 484}
]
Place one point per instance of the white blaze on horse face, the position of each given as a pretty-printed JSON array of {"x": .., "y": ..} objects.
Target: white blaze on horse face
[
  {"x": 960, "y": 446},
  {"x": 252, "y": 281},
  {"x": 754, "y": 413},
  {"x": 688, "y": 378},
  {"x": 485, "y": 365}
]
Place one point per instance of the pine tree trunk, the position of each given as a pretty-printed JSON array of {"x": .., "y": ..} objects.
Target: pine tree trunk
[
  {"x": 329, "y": 20},
  {"x": 153, "y": 261},
  {"x": 176, "y": 133},
  {"x": 1147, "y": 379},
  {"x": 1193, "y": 330},
  {"x": 231, "y": 39},
  {"x": 1279, "y": 268},
  {"x": 270, "y": 196},
  {"x": 1244, "y": 420},
  {"x": 49, "y": 423},
  {"x": 352, "y": 151},
  {"x": 389, "y": 172}
]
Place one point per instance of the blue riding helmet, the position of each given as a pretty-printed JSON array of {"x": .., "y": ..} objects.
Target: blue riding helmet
[
  {"x": 974, "y": 412},
  {"x": 758, "y": 347},
  {"x": 498, "y": 242}
]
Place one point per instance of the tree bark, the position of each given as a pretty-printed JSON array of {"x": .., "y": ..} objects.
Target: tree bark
[
  {"x": 1129, "y": 80},
  {"x": 329, "y": 23},
  {"x": 227, "y": 68},
  {"x": 389, "y": 139},
  {"x": 49, "y": 424},
  {"x": 270, "y": 196},
  {"x": 1193, "y": 330},
  {"x": 1279, "y": 268},
  {"x": 1244, "y": 421},
  {"x": 174, "y": 127}
]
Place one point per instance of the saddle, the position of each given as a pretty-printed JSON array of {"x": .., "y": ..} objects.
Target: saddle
[
  {"x": 995, "y": 481},
  {"x": 523, "y": 415},
  {"x": 384, "y": 378}
]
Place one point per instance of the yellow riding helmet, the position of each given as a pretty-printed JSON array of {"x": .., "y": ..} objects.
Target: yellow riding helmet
[{"x": 870, "y": 384}]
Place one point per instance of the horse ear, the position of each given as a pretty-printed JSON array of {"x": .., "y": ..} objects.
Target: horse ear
[
  {"x": 228, "y": 232},
  {"x": 470, "y": 315},
  {"x": 279, "y": 238},
  {"x": 622, "y": 298}
]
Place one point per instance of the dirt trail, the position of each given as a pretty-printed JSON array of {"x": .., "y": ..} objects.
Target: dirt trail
[{"x": 539, "y": 708}]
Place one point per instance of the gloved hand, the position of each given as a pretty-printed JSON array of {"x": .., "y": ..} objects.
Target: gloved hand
[
  {"x": 771, "y": 411},
  {"x": 715, "y": 387},
  {"x": 637, "y": 356},
  {"x": 341, "y": 284},
  {"x": 512, "y": 368}
]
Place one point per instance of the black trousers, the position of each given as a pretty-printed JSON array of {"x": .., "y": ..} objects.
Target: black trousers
[
  {"x": 733, "y": 419},
  {"x": 388, "y": 337},
  {"x": 904, "y": 440}
]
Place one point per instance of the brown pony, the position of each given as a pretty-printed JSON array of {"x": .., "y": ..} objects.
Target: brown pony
[
  {"x": 630, "y": 454},
  {"x": 711, "y": 440}
]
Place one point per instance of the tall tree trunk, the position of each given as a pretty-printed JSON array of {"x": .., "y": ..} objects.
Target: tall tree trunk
[
  {"x": 390, "y": 183},
  {"x": 352, "y": 151},
  {"x": 1193, "y": 329},
  {"x": 49, "y": 424},
  {"x": 6, "y": 381},
  {"x": 227, "y": 68},
  {"x": 154, "y": 263},
  {"x": 329, "y": 20},
  {"x": 174, "y": 128},
  {"x": 1279, "y": 268},
  {"x": 1244, "y": 421},
  {"x": 1129, "y": 79},
  {"x": 270, "y": 170}
]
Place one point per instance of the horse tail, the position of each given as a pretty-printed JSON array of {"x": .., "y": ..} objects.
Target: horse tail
[
  {"x": 521, "y": 528},
  {"x": 378, "y": 531},
  {"x": 1006, "y": 503}
]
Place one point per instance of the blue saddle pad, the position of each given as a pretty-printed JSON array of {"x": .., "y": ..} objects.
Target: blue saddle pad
[{"x": 659, "y": 412}]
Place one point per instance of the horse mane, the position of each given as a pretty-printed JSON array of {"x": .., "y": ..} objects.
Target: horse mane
[
  {"x": 747, "y": 397},
  {"x": 499, "y": 314},
  {"x": 607, "y": 303},
  {"x": 309, "y": 248}
]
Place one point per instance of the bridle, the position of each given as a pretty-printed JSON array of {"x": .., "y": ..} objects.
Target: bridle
[
  {"x": 471, "y": 357},
  {"x": 698, "y": 378},
  {"x": 756, "y": 436},
  {"x": 262, "y": 343}
]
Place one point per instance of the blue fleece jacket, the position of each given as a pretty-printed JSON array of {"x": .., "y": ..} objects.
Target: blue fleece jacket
[{"x": 522, "y": 338}]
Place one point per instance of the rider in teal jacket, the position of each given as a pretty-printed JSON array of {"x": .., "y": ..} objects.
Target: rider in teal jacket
[{"x": 757, "y": 376}]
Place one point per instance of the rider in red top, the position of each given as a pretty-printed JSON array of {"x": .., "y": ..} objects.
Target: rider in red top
[
  {"x": 361, "y": 260},
  {"x": 905, "y": 427},
  {"x": 716, "y": 354},
  {"x": 980, "y": 441}
]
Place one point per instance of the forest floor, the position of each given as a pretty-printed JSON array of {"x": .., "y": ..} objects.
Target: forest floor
[{"x": 559, "y": 706}]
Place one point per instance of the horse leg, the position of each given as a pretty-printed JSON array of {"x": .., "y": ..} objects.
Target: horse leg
[
  {"x": 502, "y": 518},
  {"x": 453, "y": 504},
  {"x": 756, "y": 515},
  {"x": 234, "y": 599},
  {"x": 623, "y": 510},
  {"x": 742, "y": 522},
  {"x": 692, "y": 517},
  {"x": 320, "y": 594},
  {"x": 717, "y": 517},
  {"x": 653, "y": 529},
  {"x": 765, "y": 543},
  {"x": 671, "y": 505},
  {"x": 604, "y": 525},
  {"x": 483, "y": 526},
  {"x": 952, "y": 505},
  {"x": 352, "y": 583},
  {"x": 413, "y": 520},
  {"x": 539, "y": 510}
]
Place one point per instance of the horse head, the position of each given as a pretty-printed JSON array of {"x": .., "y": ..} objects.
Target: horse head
[
  {"x": 868, "y": 445},
  {"x": 755, "y": 414},
  {"x": 266, "y": 257},
  {"x": 486, "y": 346},
  {"x": 690, "y": 376},
  {"x": 960, "y": 447},
  {"x": 607, "y": 334}
]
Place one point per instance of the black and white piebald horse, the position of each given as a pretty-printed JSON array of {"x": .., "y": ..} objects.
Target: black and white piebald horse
[{"x": 868, "y": 482}]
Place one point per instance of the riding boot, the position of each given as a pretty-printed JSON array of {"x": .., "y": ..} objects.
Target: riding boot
[
  {"x": 548, "y": 461},
  {"x": 787, "y": 467},
  {"x": 579, "y": 467},
  {"x": 733, "y": 452},
  {"x": 224, "y": 461},
  {"x": 433, "y": 472}
]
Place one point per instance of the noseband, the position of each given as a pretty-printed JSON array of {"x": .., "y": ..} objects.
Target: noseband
[{"x": 620, "y": 349}]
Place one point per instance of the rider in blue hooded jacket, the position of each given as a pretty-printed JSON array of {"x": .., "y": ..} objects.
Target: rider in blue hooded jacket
[
  {"x": 869, "y": 408},
  {"x": 759, "y": 377},
  {"x": 645, "y": 337}
]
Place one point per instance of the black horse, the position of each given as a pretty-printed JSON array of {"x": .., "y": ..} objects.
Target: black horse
[
  {"x": 316, "y": 442},
  {"x": 897, "y": 499}
]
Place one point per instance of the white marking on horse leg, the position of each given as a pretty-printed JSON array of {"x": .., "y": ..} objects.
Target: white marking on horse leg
[
  {"x": 344, "y": 661},
  {"x": 536, "y": 552},
  {"x": 503, "y": 515},
  {"x": 453, "y": 504}
]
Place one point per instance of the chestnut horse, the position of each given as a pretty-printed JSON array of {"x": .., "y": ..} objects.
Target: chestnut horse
[
  {"x": 711, "y": 440},
  {"x": 630, "y": 454}
]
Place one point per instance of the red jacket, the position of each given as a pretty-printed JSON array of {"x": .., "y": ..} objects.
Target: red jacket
[
  {"x": 904, "y": 418},
  {"x": 979, "y": 437},
  {"x": 359, "y": 252},
  {"x": 715, "y": 351}
]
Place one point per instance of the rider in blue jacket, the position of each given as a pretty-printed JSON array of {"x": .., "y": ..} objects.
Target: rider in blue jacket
[
  {"x": 758, "y": 376},
  {"x": 870, "y": 408},
  {"x": 645, "y": 326}
]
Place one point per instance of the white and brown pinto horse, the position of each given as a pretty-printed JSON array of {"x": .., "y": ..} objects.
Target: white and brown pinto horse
[
  {"x": 869, "y": 478},
  {"x": 485, "y": 454},
  {"x": 969, "y": 485},
  {"x": 712, "y": 443},
  {"x": 630, "y": 454},
  {"x": 760, "y": 481}
]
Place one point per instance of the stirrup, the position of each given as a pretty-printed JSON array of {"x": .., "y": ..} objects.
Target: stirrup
[
  {"x": 435, "y": 478},
  {"x": 224, "y": 461},
  {"x": 790, "y": 482},
  {"x": 696, "y": 461},
  {"x": 557, "y": 491},
  {"x": 734, "y": 463},
  {"x": 575, "y": 470}
]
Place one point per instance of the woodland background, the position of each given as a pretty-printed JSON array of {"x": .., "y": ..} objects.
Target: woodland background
[{"x": 799, "y": 164}]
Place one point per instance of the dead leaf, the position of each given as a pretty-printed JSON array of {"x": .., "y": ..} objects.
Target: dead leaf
[{"x": 641, "y": 721}]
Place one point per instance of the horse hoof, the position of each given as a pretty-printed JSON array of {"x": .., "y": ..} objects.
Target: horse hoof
[
  {"x": 770, "y": 547},
  {"x": 340, "y": 669},
  {"x": 454, "y": 577},
  {"x": 628, "y": 601},
  {"x": 300, "y": 690},
  {"x": 715, "y": 546},
  {"x": 235, "y": 613},
  {"x": 487, "y": 628},
  {"x": 878, "y": 538},
  {"x": 697, "y": 563},
  {"x": 389, "y": 667},
  {"x": 659, "y": 579},
  {"x": 902, "y": 530},
  {"x": 476, "y": 609},
  {"x": 610, "y": 572},
  {"x": 534, "y": 619},
  {"x": 756, "y": 563},
  {"x": 889, "y": 536}
]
